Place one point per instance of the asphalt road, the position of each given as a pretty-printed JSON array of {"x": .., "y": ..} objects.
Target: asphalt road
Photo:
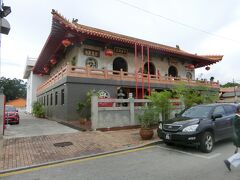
[{"x": 155, "y": 162}]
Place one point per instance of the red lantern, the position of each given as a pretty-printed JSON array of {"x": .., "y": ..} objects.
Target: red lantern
[
  {"x": 53, "y": 61},
  {"x": 207, "y": 68},
  {"x": 46, "y": 69},
  {"x": 190, "y": 66},
  {"x": 108, "y": 52},
  {"x": 66, "y": 42}
]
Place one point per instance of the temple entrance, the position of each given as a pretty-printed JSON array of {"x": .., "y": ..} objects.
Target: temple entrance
[
  {"x": 120, "y": 63},
  {"x": 152, "y": 68},
  {"x": 172, "y": 71}
]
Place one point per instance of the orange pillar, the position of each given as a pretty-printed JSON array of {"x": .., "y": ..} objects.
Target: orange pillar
[
  {"x": 142, "y": 73},
  {"x": 148, "y": 71},
  {"x": 136, "y": 71}
]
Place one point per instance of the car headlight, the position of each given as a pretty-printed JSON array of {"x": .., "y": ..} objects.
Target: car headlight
[{"x": 191, "y": 128}]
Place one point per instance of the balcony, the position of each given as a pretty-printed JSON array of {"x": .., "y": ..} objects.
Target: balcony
[{"x": 87, "y": 72}]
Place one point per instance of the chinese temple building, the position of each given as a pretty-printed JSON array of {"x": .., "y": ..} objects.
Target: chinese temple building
[{"x": 78, "y": 58}]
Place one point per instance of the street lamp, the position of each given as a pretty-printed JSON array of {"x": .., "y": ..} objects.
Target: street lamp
[
  {"x": 4, "y": 24},
  {"x": 6, "y": 10}
]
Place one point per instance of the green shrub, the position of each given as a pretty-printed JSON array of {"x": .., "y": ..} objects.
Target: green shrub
[
  {"x": 38, "y": 110},
  {"x": 84, "y": 108},
  {"x": 160, "y": 103},
  {"x": 148, "y": 117}
]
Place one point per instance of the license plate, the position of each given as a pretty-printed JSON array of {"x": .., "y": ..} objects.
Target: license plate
[{"x": 168, "y": 136}]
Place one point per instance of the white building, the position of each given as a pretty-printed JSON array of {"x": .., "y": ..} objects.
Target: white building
[{"x": 33, "y": 81}]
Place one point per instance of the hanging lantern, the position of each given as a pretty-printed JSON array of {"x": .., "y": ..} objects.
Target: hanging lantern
[
  {"x": 108, "y": 52},
  {"x": 53, "y": 61},
  {"x": 207, "y": 68},
  {"x": 46, "y": 69},
  {"x": 66, "y": 42},
  {"x": 190, "y": 66}
]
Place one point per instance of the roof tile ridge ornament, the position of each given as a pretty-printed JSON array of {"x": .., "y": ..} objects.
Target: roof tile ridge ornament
[{"x": 63, "y": 19}]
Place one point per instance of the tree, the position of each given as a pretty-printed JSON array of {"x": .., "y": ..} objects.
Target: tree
[
  {"x": 13, "y": 88},
  {"x": 230, "y": 84},
  {"x": 195, "y": 95}
]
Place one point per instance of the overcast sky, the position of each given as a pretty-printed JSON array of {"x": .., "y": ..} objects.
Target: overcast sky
[{"x": 209, "y": 27}]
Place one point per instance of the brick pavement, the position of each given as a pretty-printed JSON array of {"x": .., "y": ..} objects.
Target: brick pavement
[{"x": 29, "y": 151}]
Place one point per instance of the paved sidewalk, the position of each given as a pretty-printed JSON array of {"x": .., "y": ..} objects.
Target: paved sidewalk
[
  {"x": 30, "y": 151},
  {"x": 32, "y": 126}
]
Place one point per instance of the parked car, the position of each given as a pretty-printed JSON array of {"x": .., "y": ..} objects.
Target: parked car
[
  {"x": 11, "y": 115},
  {"x": 200, "y": 126}
]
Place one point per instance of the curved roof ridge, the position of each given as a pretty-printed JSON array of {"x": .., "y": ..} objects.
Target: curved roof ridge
[{"x": 111, "y": 35}]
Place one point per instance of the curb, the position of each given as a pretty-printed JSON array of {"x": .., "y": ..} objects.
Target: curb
[{"x": 80, "y": 157}]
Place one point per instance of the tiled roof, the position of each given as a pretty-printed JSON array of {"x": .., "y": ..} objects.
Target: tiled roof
[
  {"x": 62, "y": 28},
  {"x": 127, "y": 39}
]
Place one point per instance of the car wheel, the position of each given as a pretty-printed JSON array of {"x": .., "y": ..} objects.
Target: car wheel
[{"x": 206, "y": 142}]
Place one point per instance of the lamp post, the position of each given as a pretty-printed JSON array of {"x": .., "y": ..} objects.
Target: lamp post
[{"x": 4, "y": 24}]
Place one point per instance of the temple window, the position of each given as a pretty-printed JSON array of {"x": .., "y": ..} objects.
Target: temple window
[
  {"x": 172, "y": 71},
  {"x": 152, "y": 69},
  {"x": 62, "y": 97},
  {"x": 120, "y": 63}
]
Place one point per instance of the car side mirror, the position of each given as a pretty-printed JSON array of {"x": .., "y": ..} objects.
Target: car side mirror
[{"x": 215, "y": 116}]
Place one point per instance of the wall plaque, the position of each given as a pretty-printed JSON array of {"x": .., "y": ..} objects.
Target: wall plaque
[
  {"x": 91, "y": 52},
  {"x": 120, "y": 50}
]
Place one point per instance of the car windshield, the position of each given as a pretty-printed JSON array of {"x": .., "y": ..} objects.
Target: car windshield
[
  {"x": 10, "y": 109},
  {"x": 197, "y": 112}
]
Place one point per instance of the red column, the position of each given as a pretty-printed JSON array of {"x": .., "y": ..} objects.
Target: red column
[
  {"x": 136, "y": 70},
  {"x": 148, "y": 71},
  {"x": 142, "y": 73}
]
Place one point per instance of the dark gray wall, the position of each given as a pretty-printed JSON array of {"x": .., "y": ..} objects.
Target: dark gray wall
[
  {"x": 75, "y": 90},
  {"x": 77, "y": 93}
]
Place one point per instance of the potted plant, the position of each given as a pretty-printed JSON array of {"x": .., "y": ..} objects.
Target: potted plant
[
  {"x": 84, "y": 108},
  {"x": 147, "y": 119},
  {"x": 80, "y": 108},
  {"x": 38, "y": 110}
]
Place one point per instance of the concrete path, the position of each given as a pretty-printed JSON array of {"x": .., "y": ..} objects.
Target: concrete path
[{"x": 31, "y": 126}]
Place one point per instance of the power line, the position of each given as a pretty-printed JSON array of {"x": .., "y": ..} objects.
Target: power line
[{"x": 178, "y": 22}]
